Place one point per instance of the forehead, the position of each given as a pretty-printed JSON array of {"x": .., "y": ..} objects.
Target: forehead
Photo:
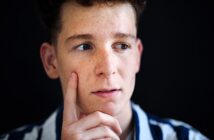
[{"x": 99, "y": 19}]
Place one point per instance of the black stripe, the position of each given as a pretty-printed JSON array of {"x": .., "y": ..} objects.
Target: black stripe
[
  {"x": 58, "y": 123},
  {"x": 182, "y": 132},
  {"x": 40, "y": 134},
  {"x": 19, "y": 135},
  {"x": 156, "y": 132}
]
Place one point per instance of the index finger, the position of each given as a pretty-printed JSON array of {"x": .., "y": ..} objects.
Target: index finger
[{"x": 70, "y": 113}]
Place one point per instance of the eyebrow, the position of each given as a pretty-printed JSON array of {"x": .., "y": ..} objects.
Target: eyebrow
[
  {"x": 79, "y": 36},
  {"x": 89, "y": 36},
  {"x": 124, "y": 35}
]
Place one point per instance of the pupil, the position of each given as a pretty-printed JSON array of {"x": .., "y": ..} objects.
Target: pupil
[
  {"x": 86, "y": 47},
  {"x": 124, "y": 46}
]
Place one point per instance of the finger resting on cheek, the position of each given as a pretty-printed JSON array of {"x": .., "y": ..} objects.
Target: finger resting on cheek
[
  {"x": 70, "y": 112},
  {"x": 73, "y": 80}
]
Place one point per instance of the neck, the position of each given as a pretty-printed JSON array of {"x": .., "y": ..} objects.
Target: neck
[{"x": 125, "y": 120}]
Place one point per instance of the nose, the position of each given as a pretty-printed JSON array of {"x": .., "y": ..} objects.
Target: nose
[{"x": 105, "y": 63}]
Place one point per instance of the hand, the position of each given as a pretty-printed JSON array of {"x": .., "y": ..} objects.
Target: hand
[{"x": 92, "y": 126}]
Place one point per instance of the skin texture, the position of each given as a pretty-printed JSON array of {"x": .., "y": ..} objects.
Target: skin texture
[{"x": 96, "y": 57}]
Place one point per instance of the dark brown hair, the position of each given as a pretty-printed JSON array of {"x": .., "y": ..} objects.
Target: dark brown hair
[{"x": 49, "y": 11}]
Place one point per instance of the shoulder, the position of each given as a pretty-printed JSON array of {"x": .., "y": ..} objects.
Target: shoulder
[
  {"x": 173, "y": 129},
  {"x": 38, "y": 131},
  {"x": 165, "y": 129}
]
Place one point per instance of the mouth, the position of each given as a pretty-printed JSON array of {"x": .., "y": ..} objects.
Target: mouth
[{"x": 106, "y": 93}]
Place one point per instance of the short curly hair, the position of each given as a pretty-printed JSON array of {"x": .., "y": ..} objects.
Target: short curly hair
[{"x": 49, "y": 11}]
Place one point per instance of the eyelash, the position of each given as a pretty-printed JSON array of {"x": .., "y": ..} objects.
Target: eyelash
[
  {"x": 84, "y": 44},
  {"x": 123, "y": 46}
]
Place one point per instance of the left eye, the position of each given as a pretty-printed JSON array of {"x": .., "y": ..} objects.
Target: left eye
[
  {"x": 121, "y": 46},
  {"x": 84, "y": 47}
]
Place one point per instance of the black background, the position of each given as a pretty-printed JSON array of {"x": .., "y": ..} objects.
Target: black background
[{"x": 176, "y": 79}]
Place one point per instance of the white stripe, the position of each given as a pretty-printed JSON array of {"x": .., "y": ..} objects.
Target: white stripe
[
  {"x": 196, "y": 136},
  {"x": 145, "y": 133},
  {"x": 21, "y": 128},
  {"x": 193, "y": 133},
  {"x": 167, "y": 130},
  {"x": 49, "y": 128},
  {"x": 31, "y": 135},
  {"x": 179, "y": 123},
  {"x": 5, "y": 137}
]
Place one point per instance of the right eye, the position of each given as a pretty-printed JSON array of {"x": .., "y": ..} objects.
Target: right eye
[{"x": 84, "y": 47}]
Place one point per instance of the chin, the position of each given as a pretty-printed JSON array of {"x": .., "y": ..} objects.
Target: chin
[{"x": 109, "y": 108}]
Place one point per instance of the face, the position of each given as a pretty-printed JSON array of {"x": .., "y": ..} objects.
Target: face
[{"x": 98, "y": 43}]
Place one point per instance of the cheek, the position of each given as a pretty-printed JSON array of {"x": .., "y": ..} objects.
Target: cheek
[
  {"x": 129, "y": 66},
  {"x": 84, "y": 71},
  {"x": 128, "y": 72},
  {"x": 65, "y": 68},
  {"x": 73, "y": 66}
]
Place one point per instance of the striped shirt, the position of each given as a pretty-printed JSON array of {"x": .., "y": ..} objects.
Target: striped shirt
[{"x": 146, "y": 127}]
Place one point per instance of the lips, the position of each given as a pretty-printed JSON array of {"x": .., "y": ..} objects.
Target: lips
[{"x": 107, "y": 92}]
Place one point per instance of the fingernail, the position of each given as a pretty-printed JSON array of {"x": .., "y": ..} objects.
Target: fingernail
[
  {"x": 72, "y": 75},
  {"x": 121, "y": 131}
]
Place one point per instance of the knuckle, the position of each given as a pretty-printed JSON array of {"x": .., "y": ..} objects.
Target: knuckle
[
  {"x": 98, "y": 115},
  {"x": 71, "y": 134},
  {"x": 115, "y": 121},
  {"x": 106, "y": 130},
  {"x": 107, "y": 139},
  {"x": 76, "y": 136},
  {"x": 109, "y": 133}
]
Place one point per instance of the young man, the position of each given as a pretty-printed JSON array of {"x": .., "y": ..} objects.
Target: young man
[{"x": 94, "y": 51}]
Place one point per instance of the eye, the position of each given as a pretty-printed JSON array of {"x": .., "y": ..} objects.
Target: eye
[
  {"x": 84, "y": 47},
  {"x": 121, "y": 46}
]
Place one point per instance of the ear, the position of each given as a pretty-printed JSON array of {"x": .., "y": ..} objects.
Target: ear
[
  {"x": 48, "y": 56},
  {"x": 139, "y": 54}
]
